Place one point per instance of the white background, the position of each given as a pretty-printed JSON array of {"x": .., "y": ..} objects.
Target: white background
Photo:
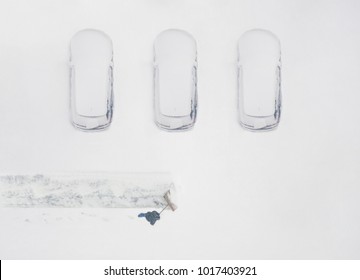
[
  {"x": 265, "y": 270},
  {"x": 290, "y": 193}
]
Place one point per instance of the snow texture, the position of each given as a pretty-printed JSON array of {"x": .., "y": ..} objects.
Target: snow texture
[{"x": 112, "y": 190}]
